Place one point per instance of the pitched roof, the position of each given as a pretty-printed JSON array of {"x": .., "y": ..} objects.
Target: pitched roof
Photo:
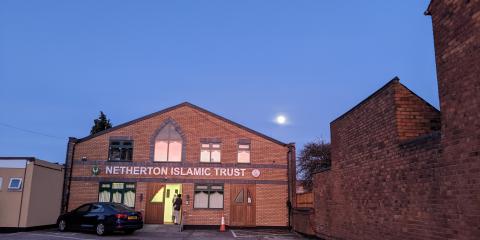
[
  {"x": 395, "y": 80},
  {"x": 173, "y": 108}
]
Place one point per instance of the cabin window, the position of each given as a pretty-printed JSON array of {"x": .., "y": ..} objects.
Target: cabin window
[{"x": 15, "y": 184}]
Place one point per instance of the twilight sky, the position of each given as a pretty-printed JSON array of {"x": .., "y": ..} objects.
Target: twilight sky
[{"x": 61, "y": 62}]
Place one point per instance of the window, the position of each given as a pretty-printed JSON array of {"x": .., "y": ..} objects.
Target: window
[
  {"x": 83, "y": 208},
  {"x": 97, "y": 208},
  {"x": 117, "y": 193},
  {"x": 158, "y": 197},
  {"x": 168, "y": 145},
  {"x": 15, "y": 184},
  {"x": 239, "y": 197},
  {"x": 208, "y": 196},
  {"x": 210, "y": 152},
  {"x": 1, "y": 182},
  {"x": 244, "y": 153},
  {"x": 119, "y": 208},
  {"x": 121, "y": 150}
]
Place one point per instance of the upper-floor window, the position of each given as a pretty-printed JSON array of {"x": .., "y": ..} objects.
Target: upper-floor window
[
  {"x": 243, "y": 153},
  {"x": 168, "y": 145},
  {"x": 210, "y": 152},
  {"x": 121, "y": 150},
  {"x": 15, "y": 184}
]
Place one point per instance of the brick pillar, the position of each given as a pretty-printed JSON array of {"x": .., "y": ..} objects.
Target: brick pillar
[{"x": 456, "y": 28}]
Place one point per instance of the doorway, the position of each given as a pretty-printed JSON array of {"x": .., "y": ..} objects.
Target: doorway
[
  {"x": 243, "y": 205},
  {"x": 159, "y": 205},
  {"x": 171, "y": 192}
]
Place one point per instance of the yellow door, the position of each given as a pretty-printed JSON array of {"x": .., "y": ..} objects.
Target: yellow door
[{"x": 171, "y": 192}]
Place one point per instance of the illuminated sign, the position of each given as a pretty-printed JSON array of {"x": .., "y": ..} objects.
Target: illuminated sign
[{"x": 176, "y": 171}]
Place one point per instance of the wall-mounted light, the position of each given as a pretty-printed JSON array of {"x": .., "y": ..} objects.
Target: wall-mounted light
[
  {"x": 187, "y": 202},
  {"x": 84, "y": 159},
  {"x": 141, "y": 197}
]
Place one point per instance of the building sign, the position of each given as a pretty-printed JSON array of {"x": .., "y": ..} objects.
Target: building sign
[
  {"x": 255, "y": 173},
  {"x": 95, "y": 170},
  {"x": 176, "y": 171}
]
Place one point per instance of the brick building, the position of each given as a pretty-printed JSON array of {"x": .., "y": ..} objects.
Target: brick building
[
  {"x": 400, "y": 168},
  {"x": 219, "y": 167}
]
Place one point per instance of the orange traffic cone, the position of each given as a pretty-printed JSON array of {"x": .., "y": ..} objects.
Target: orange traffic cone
[{"x": 222, "y": 226}]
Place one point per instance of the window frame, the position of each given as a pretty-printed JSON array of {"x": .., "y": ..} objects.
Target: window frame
[
  {"x": 101, "y": 209},
  {"x": 168, "y": 140},
  {"x": 168, "y": 151},
  {"x": 210, "y": 149},
  {"x": 120, "y": 145},
  {"x": 76, "y": 210},
  {"x": 249, "y": 149},
  {"x": 209, "y": 190},
  {"x": 122, "y": 191},
  {"x": 19, "y": 188}
]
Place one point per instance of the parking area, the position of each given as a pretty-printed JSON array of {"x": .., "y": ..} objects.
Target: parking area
[
  {"x": 264, "y": 234},
  {"x": 156, "y": 232}
]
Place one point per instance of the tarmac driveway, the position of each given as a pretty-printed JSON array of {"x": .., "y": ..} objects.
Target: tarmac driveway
[{"x": 156, "y": 232}]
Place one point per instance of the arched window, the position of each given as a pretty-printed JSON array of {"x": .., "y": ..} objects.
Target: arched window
[{"x": 168, "y": 145}]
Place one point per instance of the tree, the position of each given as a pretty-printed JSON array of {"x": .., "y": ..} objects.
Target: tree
[
  {"x": 315, "y": 156},
  {"x": 100, "y": 124}
]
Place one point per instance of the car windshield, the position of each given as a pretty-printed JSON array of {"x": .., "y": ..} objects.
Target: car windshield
[{"x": 120, "y": 207}]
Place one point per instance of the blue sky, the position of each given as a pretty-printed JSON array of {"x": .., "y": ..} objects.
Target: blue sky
[{"x": 61, "y": 62}]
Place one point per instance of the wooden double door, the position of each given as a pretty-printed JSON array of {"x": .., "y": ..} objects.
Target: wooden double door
[
  {"x": 159, "y": 202},
  {"x": 242, "y": 206},
  {"x": 155, "y": 203}
]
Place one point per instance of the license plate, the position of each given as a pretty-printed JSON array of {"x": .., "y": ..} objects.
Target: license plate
[{"x": 132, "y": 217}]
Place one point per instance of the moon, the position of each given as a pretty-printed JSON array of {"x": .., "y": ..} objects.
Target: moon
[{"x": 281, "y": 119}]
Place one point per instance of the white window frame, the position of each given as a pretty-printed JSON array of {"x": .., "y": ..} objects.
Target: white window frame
[
  {"x": 169, "y": 140},
  {"x": 210, "y": 149},
  {"x": 16, "y": 188},
  {"x": 249, "y": 150},
  {"x": 209, "y": 191}
]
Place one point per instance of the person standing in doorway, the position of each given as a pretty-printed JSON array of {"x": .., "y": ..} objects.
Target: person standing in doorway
[
  {"x": 173, "y": 204},
  {"x": 177, "y": 205}
]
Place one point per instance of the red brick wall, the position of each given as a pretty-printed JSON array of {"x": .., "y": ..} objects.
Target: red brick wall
[
  {"x": 414, "y": 116},
  {"x": 195, "y": 124},
  {"x": 393, "y": 175},
  {"x": 456, "y": 25},
  {"x": 302, "y": 220},
  {"x": 379, "y": 185}
]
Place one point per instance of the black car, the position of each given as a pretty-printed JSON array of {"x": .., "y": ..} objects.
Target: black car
[{"x": 101, "y": 218}]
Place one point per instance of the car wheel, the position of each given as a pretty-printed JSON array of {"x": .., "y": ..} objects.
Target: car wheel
[
  {"x": 62, "y": 225},
  {"x": 100, "y": 229},
  {"x": 130, "y": 231}
]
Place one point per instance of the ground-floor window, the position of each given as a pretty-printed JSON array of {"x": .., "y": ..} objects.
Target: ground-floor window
[
  {"x": 117, "y": 192},
  {"x": 208, "y": 196}
]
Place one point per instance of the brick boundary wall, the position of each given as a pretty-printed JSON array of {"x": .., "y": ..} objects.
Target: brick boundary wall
[{"x": 396, "y": 174}]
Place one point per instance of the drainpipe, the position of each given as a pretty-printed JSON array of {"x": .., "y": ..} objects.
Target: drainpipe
[
  {"x": 291, "y": 180},
  {"x": 67, "y": 177}
]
